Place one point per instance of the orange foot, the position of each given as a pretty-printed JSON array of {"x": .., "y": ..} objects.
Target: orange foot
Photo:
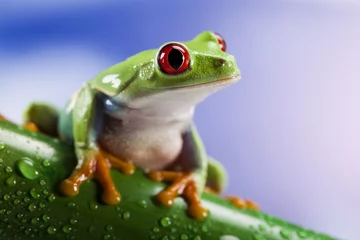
[
  {"x": 182, "y": 184},
  {"x": 237, "y": 201},
  {"x": 98, "y": 167},
  {"x": 29, "y": 125},
  {"x": 241, "y": 203}
]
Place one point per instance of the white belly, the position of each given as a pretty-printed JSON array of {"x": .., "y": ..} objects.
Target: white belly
[
  {"x": 150, "y": 135},
  {"x": 148, "y": 148}
]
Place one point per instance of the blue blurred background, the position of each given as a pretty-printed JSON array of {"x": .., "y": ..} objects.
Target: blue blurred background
[{"x": 288, "y": 133}]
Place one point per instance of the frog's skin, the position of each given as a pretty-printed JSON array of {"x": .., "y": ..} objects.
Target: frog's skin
[{"x": 138, "y": 113}]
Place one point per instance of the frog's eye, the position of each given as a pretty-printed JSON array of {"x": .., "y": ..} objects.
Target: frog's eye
[
  {"x": 221, "y": 41},
  {"x": 173, "y": 58}
]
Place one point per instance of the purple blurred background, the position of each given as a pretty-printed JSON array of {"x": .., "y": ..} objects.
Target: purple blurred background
[{"x": 288, "y": 133}]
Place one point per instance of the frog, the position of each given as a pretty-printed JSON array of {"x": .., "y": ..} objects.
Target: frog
[{"x": 139, "y": 113}]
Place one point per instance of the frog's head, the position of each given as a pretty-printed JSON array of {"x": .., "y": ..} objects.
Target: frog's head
[{"x": 181, "y": 73}]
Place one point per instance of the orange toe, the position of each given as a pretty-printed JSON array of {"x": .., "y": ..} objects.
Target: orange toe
[
  {"x": 183, "y": 184},
  {"x": 241, "y": 203}
]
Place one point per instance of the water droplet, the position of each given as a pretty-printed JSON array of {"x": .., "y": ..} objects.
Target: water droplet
[
  {"x": 184, "y": 237},
  {"x": 67, "y": 229},
  {"x": 34, "y": 220},
  {"x": 51, "y": 198},
  {"x": 165, "y": 238},
  {"x": 16, "y": 201},
  {"x": 197, "y": 238},
  {"x": 73, "y": 221},
  {"x": 204, "y": 229},
  {"x": 285, "y": 234},
  {"x": 269, "y": 220},
  {"x": 156, "y": 230},
  {"x": 19, "y": 215},
  {"x": 26, "y": 199},
  {"x": 51, "y": 230},
  {"x": 28, "y": 231},
  {"x": 109, "y": 228},
  {"x": 8, "y": 212},
  {"x": 126, "y": 215},
  {"x": 8, "y": 169},
  {"x": 173, "y": 230},
  {"x": 34, "y": 194},
  {"x": 92, "y": 229},
  {"x": 46, "y": 163},
  {"x": 42, "y": 182},
  {"x": 32, "y": 207},
  {"x": 93, "y": 206},
  {"x": 45, "y": 218},
  {"x": 165, "y": 222},
  {"x": 2, "y": 145},
  {"x": 261, "y": 228},
  {"x": 2, "y": 211},
  {"x": 142, "y": 203},
  {"x": 6, "y": 197},
  {"x": 302, "y": 234},
  {"x": 106, "y": 236},
  {"x": 42, "y": 205},
  {"x": 1, "y": 161},
  {"x": 46, "y": 192},
  {"x": 27, "y": 168},
  {"x": 19, "y": 192},
  {"x": 71, "y": 204},
  {"x": 11, "y": 181}
]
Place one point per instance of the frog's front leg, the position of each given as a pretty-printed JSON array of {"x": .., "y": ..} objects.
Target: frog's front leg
[
  {"x": 93, "y": 162},
  {"x": 190, "y": 183},
  {"x": 96, "y": 163}
]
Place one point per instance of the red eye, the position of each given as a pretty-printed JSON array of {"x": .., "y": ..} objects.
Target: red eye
[
  {"x": 221, "y": 41},
  {"x": 173, "y": 59}
]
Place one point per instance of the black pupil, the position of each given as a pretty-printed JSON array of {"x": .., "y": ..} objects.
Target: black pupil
[{"x": 175, "y": 58}]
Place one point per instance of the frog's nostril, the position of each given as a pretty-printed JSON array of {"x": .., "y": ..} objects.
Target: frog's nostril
[{"x": 221, "y": 62}]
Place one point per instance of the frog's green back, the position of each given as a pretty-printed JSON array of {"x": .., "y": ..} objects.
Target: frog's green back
[{"x": 117, "y": 77}]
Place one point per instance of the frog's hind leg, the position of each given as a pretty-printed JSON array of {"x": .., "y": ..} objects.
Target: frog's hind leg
[
  {"x": 216, "y": 177},
  {"x": 41, "y": 117},
  {"x": 216, "y": 182}
]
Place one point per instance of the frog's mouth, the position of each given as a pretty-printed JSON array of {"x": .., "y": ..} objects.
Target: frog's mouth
[
  {"x": 215, "y": 83},
  {"x": 222, "y": 81}
]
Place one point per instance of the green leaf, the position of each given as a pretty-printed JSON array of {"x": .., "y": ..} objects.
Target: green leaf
[{"x": 32, "y": 165}]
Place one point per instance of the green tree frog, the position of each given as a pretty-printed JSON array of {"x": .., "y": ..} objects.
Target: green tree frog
[{"x": 139, "y": 113}]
